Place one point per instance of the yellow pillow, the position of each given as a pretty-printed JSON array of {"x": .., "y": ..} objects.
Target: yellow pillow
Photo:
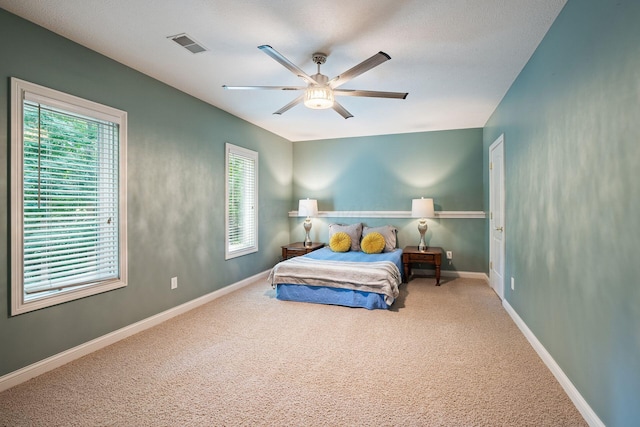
[
  {"x": 340, "y": 242},
  {"x": 372, "y": 243}
]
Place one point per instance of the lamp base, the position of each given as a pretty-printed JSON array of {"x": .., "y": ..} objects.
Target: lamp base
[
  {"x": 307, "y": 228},
  {"x": 422, "y": 228}
]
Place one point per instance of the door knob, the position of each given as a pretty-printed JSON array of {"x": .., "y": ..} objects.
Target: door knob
[{"x": 499, "y": 229}]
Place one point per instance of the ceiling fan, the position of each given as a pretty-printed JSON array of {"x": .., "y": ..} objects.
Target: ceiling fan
[{"x": 320, "y": 92}]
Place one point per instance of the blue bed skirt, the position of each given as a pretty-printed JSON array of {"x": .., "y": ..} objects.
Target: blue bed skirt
[
  {"x": 334, "y": 296},
  {"x": 339, "y": 296}
]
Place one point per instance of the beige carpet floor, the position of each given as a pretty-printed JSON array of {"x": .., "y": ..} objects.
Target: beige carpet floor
[{"x": 444, "y": 356}]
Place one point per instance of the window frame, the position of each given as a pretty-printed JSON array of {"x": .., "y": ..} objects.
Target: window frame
[
  {"x": 72, "y": 104},
  {"x": 252, "y": 155}
]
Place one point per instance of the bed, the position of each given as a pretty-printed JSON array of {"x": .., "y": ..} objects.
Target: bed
[{"x": 352, "y": 279}]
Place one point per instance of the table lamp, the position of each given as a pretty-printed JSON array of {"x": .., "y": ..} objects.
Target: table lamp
[
  {"x": 308, "y": 208},
  {"x": 422, "y": 208}
]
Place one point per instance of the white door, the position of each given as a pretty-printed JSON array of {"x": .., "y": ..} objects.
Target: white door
[{"x": 496, "y": 216}]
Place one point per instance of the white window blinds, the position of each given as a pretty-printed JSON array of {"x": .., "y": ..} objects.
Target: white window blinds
[
  {"x": 241, "y": 201},
  {"x": 68, "y": 197}
]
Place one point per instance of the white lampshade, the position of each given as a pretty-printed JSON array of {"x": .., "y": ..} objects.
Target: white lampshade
[
  {"x": 422, "y": 208},
  {"x": 308, "y": 207}
]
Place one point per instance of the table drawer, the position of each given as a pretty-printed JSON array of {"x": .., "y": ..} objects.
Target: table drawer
[
  {"x": 423, "y": 258},
  {"x": 296, "y": 252}
]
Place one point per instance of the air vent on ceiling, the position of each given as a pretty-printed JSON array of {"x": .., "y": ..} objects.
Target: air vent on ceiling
[{"x": 188, "y": 43}]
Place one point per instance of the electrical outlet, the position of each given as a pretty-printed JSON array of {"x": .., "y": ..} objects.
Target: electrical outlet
[
  {"x": 174, "y": 282},
  {"x": 513, "y": 283},
  {"x": 449, "y": 255}
]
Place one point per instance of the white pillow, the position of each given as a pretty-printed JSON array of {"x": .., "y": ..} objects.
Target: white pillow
[
  {"x": 389, "y": 234},
  {"x": 354, "y": 231}
]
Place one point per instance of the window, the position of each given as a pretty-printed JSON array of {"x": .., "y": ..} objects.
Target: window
[
  {"x": 68, "y": 197},
  {"x": 241, "y": 204}
]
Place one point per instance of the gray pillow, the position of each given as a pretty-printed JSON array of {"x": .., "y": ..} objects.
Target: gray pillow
[
  {"x": 354, "y": 231},
  {"x": 389, "y": 234}
]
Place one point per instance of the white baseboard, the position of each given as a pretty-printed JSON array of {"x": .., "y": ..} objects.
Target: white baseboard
[
  {"x": 581, "y": 404},
  {"x": 24, "y": 374},
  {"x": 451, "y": 273}
]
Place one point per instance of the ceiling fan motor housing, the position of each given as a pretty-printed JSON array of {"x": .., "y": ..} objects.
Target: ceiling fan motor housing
[{"x": 320, "y": 78}]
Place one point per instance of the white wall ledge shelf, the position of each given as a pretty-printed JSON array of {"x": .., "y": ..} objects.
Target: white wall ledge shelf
[{"x": 393, "y": 214}]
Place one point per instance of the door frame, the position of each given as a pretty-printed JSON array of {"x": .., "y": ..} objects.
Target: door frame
[{"x": 497, "y": 287}]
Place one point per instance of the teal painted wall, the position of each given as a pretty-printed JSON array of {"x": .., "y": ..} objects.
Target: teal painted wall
[
  {"x": 571, "y": 123},
  {"x": 175, "y": 200},
  {"x": 571, "y": 143},
  {"x": 383, "y": 173}
]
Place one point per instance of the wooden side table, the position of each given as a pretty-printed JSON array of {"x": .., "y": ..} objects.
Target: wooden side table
[
  {"x": 411, "y": 255},
  {"x": 298, "y": 248}
]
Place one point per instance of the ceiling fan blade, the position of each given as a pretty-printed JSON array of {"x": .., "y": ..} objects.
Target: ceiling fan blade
[
  {"x": 362, "y": 67},
  {"x": 370, "y": 93},
  {"x": 341, "y": 110},
  {"x": 287, "y": 64},
  {"x": 290, "y": 105},
  {"x": 264, "y": 87}
]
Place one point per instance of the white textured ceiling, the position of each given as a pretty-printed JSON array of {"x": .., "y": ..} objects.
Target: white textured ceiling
[{"x": 456, "y": 58}]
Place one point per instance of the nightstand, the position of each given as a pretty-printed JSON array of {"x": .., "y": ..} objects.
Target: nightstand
[
  {"x": 411, "y": 255},
  {"x": 298, "y": 248}
]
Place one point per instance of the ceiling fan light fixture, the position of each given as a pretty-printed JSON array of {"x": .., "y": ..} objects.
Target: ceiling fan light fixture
[{"x": 318, "y": 97}]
